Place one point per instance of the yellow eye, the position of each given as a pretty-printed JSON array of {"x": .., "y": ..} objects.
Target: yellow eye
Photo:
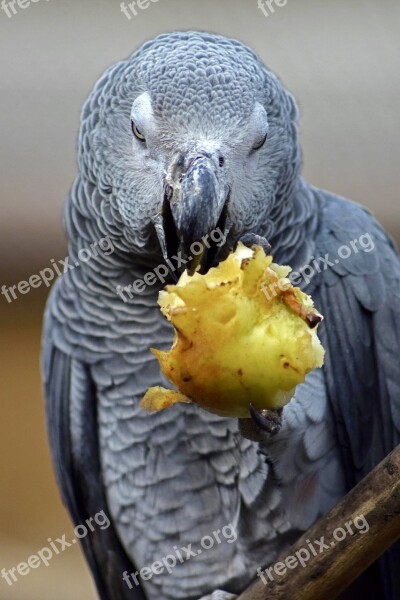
[{"x": 137, "y": 133}]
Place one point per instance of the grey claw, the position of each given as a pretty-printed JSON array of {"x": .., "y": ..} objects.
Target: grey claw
[
  {"x": 269, "y": 421},
  {"x": 251, "y": 239},
  {"x": 262, "y": 425}
]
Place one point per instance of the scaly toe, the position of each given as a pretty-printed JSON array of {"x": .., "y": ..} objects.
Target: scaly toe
[
  {"x": 251, "y": 239},
  {"x": 269, "y": 421}
]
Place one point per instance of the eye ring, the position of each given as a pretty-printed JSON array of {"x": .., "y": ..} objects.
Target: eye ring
[
  {"x": 261, "y": 143},
  {"x": 138, "y": 134}
]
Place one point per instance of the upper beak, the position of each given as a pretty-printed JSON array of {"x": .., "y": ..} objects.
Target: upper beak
[{"x": 196, "y": 199}]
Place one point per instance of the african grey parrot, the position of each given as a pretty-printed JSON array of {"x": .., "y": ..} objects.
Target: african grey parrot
[{"x": 205, "y": 109}]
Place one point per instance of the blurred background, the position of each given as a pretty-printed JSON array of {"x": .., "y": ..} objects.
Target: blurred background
[{"x": 342, "y": 62}]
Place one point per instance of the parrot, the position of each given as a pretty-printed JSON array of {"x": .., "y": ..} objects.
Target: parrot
[{"x": 189, "y": 135}]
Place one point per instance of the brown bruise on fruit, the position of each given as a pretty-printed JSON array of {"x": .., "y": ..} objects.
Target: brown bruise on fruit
[{"x": 309, "y": 315}]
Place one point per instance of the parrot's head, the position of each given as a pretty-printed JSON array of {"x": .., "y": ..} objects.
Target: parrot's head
[{"x": 191, "y": 135}]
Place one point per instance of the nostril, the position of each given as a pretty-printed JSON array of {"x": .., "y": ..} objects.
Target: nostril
[{"x": 221, "y": 161}]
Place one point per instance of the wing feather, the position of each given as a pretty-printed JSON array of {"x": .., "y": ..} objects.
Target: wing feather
[
  {"x": 360, "y": 299},
  {"x": 72, "y": 427}
]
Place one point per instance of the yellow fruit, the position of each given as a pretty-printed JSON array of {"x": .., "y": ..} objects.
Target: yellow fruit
[{"x": 243, "y": 334}]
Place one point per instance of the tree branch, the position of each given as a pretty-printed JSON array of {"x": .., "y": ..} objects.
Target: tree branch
[{"x": 377, "y": 498}]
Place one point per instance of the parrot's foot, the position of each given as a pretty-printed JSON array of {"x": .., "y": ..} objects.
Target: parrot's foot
[
  {"x": 251, "y": 239},
  {"x": 263, "y": 424},
  {"x": 219, "y": 595}
]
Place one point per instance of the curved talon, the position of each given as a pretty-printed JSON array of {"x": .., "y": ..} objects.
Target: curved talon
[
  {"x": 251, "y": 239},
  {"x": 269, "y": 421}
]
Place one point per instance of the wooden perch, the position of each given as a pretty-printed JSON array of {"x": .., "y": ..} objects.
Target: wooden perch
[{"x": 377, "y": 499}]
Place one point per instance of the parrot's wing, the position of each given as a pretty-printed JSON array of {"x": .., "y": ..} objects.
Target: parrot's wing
[
  {"x": 72, "y": 425},
  {"x": 359, "y": 295}
]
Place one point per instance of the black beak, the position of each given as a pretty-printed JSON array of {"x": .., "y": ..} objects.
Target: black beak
[{"x": 194, "y": 217}]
